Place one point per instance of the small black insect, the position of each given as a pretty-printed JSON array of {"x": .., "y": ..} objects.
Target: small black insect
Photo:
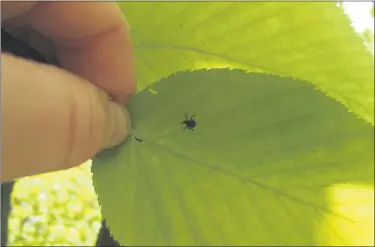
[{"x": 190, "y": 123}]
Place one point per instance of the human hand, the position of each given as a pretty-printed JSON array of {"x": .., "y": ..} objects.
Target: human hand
[{"x": 56, "y": 118}]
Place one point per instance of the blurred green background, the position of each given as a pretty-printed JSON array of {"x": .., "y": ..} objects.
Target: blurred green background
[{"x": 53, "y": 209}]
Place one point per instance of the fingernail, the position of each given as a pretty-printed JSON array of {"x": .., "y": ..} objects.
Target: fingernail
[{"x": 118, "y": 127}]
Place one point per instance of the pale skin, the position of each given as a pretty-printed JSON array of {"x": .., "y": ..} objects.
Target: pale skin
[{"x": 56, "y": 118}]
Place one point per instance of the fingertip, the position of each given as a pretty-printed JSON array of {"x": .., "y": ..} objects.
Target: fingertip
[
  {"x": 53, "y": 120},
  {"x": 117, "y": 127},
  {"x": 106, "y": 61},
  {"x": 91, "y": 40}
]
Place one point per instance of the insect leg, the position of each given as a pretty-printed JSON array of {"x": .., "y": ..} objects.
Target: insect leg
[{"x": 137, "y": 139}]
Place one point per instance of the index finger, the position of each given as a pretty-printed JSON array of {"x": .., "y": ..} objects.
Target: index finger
[{"x": 92, "y": 40}]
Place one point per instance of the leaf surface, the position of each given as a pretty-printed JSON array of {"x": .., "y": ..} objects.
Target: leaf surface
[
  {"x": 261, "y": 167},
  {"x": 309, "y": 41}
]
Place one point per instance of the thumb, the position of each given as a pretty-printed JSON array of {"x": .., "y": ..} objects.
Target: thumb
[{"x": 52, "y": 119}]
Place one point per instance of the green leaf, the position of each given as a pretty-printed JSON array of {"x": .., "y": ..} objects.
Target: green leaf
[
  {"x": 368, "y": 37},
  {"x": 263, "y": 166},
  {"x": 193, "y": 187},
  {"x": 313, "y": 42}
]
